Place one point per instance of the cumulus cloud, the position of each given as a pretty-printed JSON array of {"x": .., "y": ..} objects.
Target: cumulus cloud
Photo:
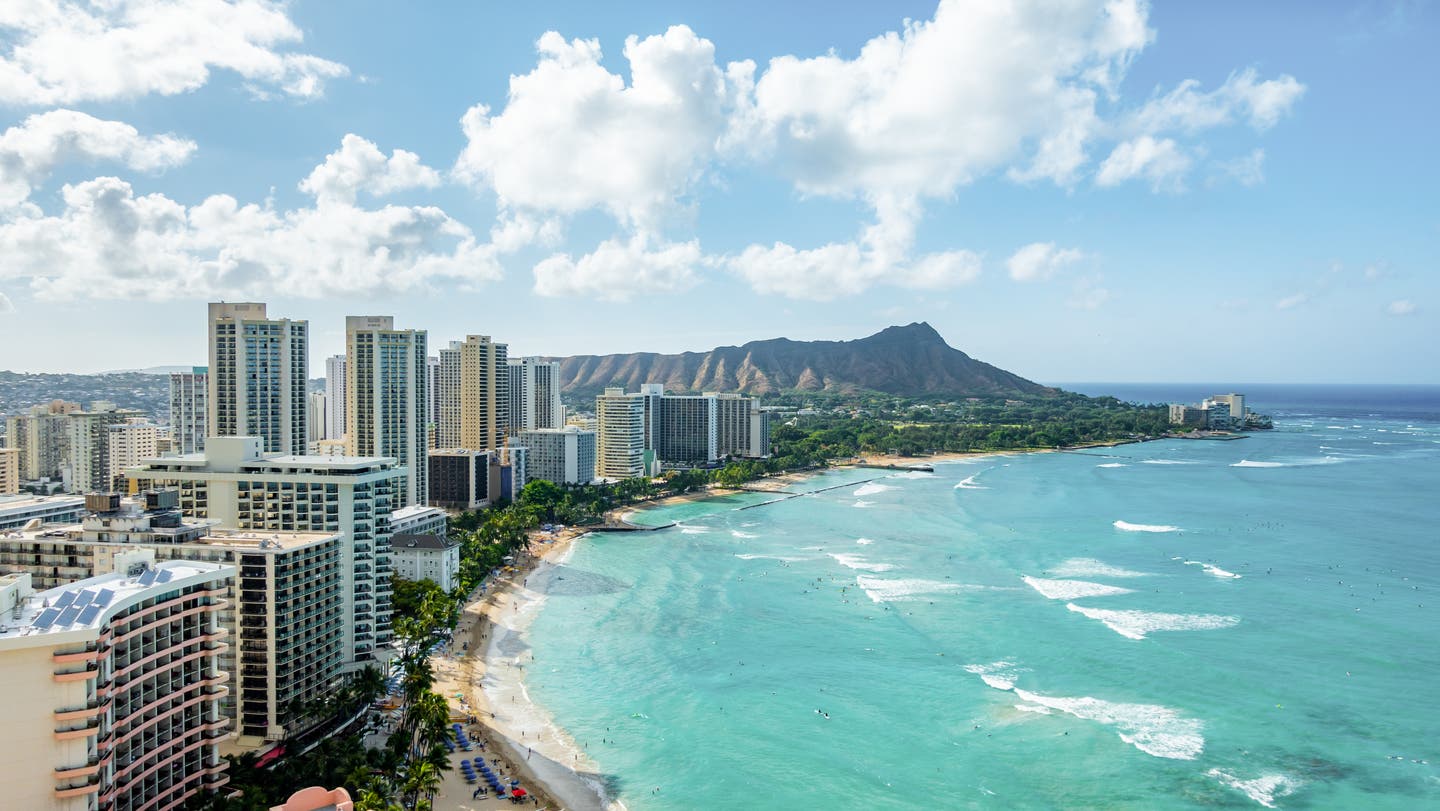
[
  {"x": 1040, "y": 260},
  {"x": 1161, "y": 162},
  {"x": 1247, "y": 170},
  {"x": 574, "y": 136},
  {"x": 30, "y": 150},
  {"x": 1401, "y": 307},
  {"x": 109, "y": 242},
  {"x": 1244, "y": 96},
  {"x": 617, "y": 270},
  {"x": 844, "y": 269},
  {"x": 68, "y": 51},
  {"x": 359, "y": 165}
]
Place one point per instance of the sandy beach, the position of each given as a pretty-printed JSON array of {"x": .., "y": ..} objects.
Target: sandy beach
[{"x": 486, "y": 665}]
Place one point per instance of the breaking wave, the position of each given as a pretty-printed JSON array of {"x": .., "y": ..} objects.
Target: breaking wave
[
  {"x": 1136, "y": 624},
  {"x": 861, "y": 564},
  {"x": 1090, "y": 567},
  {"x": 871, "y": 489},
  {"x": 1213, "y": 571},
  {"x": 1263, "y": 789},
  {"x": 1072, "y": 589},
  {"x": 1126, "y": 526}
]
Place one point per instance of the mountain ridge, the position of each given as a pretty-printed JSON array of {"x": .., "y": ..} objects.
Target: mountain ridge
[{"x": 910, "y": 360}]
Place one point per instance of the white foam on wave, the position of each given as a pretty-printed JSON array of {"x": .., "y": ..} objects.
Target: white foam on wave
[
  {"x": 1113, "y": 464},
  {"x": 1000, "y": 675},
  {"x": 858, "y": 563},
  {"x": 1090, "y": 567},
  {"x": 1263, "y": 789},
  {"x": 1072, "y": 589},
  {"x": 1154, "y": 729},
  {"x": 871, "y": 489},
  {"x": 1126, "y": 526},
  {"x": 1213, "y": 571},
  {"x": 1136, "y": 624},
  {"x": 863, "y": 504},
  {"x": 1167, "y": 462},
  {"x": 1311, "y": 462},
  {"x": 693, "y": 530},
  {"x": 913, "y": 474},
  {"x": 782, "y": 558},
  {"x": 969, "y": 484},
  {"x": 864, "y": 541},
  {"x": 885, "y": 590},
  {"x": 738, "y": 534}
]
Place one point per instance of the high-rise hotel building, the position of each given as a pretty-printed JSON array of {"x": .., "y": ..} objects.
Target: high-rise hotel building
[
  {"x": 188, "y": 397},
  {"x": 259, "y": 369},
  {"x": 387, "y": 398},
  {"x": 335, "y": 397},
  {"x": 112, "y": 687},
  {"x": 535, "y": 395},
  {"x": 620, "y": 448},
  {"x": 484, "y": 393},
  {"x": 240, "y": 486}
]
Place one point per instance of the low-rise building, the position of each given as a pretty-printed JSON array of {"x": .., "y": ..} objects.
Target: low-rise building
[
  {"x": 16, "y": 512},
  {"x": 112, "y": 687},
  {"x": 418, "y": 519},
  {"x": 427, "y": 557}
]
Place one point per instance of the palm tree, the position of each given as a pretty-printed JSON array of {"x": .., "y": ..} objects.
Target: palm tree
[{"x": 421, "y": 777}]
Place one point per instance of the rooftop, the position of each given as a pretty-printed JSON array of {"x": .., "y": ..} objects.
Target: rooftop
[
  {"x": 21, "y": 503},
  {"x": 84, "y": 603},
  {"x": 420, "y": 542},
  {"x": 253, "y": 540}
]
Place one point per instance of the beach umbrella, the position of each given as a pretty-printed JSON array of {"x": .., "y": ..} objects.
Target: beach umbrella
[{"x": 518, "y": 792}]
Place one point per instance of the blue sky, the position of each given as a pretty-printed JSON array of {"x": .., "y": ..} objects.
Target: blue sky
[{"x": 1073, "y": 190}]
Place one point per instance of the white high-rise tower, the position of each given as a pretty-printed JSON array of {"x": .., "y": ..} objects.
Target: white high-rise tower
[
  {"x": 259, "y": 369},
  {"x": 386, "y": 398}
]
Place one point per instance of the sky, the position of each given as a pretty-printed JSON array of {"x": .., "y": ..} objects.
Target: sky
[{"x": 1071, "y": 189}]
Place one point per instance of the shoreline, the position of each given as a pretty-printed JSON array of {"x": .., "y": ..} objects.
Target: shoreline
[{"x": 493, "y": 628}]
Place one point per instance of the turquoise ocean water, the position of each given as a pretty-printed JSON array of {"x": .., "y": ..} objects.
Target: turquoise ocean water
[{"x": 1174, "y": 624}]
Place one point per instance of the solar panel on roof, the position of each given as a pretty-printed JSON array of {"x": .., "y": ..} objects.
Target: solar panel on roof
[
  {"x": 46, "y": 618},
  {"x": 104, "y": 596},
  {"x": 89, "y": 614},
  {"x": 163, "y": 576},
  {"x": 68, "y": 615},
  {"x": 83, "y": 598},
  {"x": 65, "y": 600},
  {"x": 148, "y": 578}
]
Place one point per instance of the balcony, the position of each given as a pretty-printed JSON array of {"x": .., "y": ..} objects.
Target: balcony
[
  {"x": 78, "y": 675},
  {"x": 89, "y": 730},
  {"x": 89, "y": 787},
  {"x": 90, "y": 768}
]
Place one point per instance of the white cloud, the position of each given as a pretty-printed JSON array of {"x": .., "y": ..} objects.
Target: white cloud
[
  {"x": 359, "y": 165},
  {"x": 110, "y": 243},
  {"x": 1162, "y": 162},
  {"x": 1247, "y": 170},
  {"x": 31, "y": 150},
  {"x": 925, "y": 110},
  {"x": 1401, "y": 307},
  {"x": 617, "y": 270},
  {"x": 67, "y": 51},
  {"x": 1040, "y": 260},
  {"x": 845, "y": 269},
  {"x": 1087, "y": 294},
  {"x": 6, "y": 305},
  {"x": 1291, "y": 302},
  {"x": 1261, "y": 103},
  {"x": 574, "y": 136}
]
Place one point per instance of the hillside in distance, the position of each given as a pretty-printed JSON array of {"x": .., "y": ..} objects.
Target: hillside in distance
[{"x": 910, "y": 361}]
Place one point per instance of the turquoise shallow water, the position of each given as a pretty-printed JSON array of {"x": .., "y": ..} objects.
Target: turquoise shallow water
[{"x": 1260, "y": 628}]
